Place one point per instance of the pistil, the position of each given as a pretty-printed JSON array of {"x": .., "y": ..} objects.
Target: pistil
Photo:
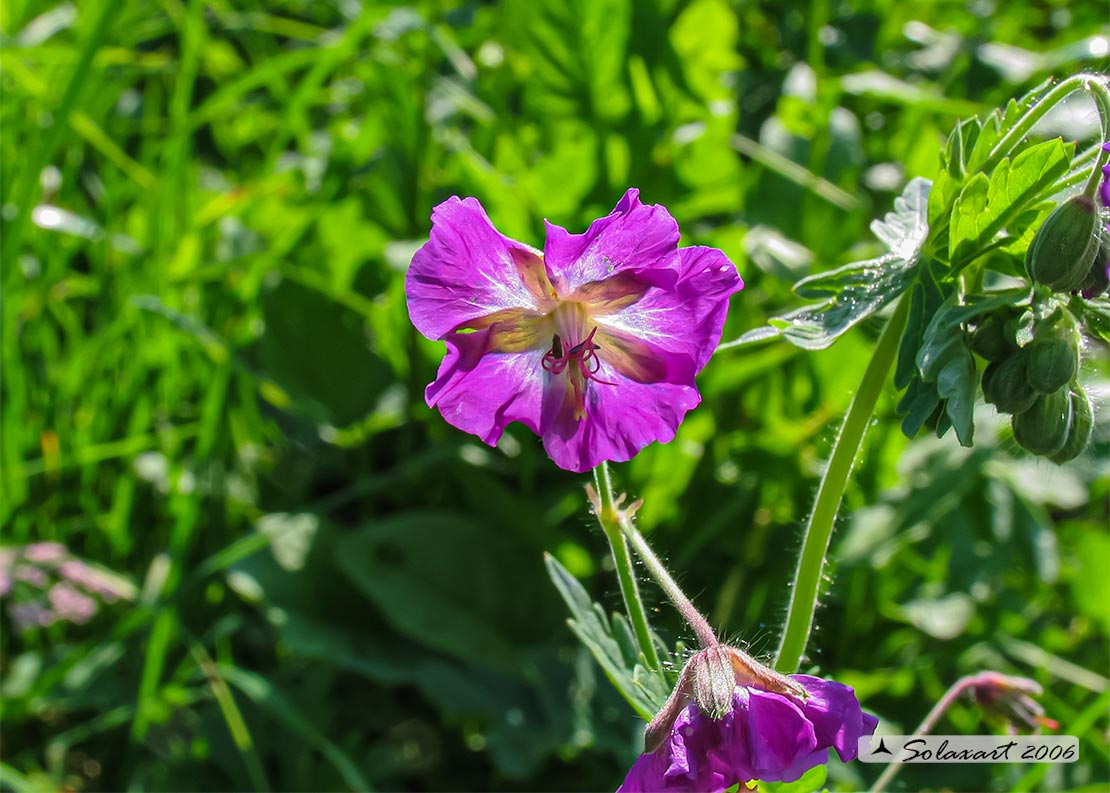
[{"x": 585, "y": 368}]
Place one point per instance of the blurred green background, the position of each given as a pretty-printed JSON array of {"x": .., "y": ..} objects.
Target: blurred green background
[{"x": 212, "y": 391}]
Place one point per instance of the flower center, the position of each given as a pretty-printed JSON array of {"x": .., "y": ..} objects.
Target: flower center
[{"x": 581, "y": 364}]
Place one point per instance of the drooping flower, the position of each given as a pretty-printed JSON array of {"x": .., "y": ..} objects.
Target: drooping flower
[
  {"x": 593, "y": 343},
  {"x": 771, "y": 727},
  {"x": 1010, "y": 698}
]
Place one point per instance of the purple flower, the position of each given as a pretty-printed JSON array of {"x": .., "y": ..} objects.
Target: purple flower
[
  {"x": 1011, "y": 698},
  {"x": 44, "y": 552},
  {"x": 592, "y": 343},
  {"x": 767, "y": 735},
  {"x": 70, "y": 604},
  {"x": 7, "y": 559},
  {"x": 1102, "y": 278},
  {"x": 1104, "y": 188},
  {"x": 32, "y": 575},
  {"x": 98, "y": 582},
  {"x": 32, "y": 614}
]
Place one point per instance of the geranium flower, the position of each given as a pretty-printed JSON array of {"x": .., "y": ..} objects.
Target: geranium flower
[
  {"x": 593, "y": 343},
  {"x": 766, "y": 727}
]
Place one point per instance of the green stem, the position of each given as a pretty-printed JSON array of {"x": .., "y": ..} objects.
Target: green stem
[
  {"x": 815, "y": 546},
  {"x": 609, "y": 518},
  {"x": 1101, "y": 95},
  {"x": 1024, "y": 125},
  {"x": 659, "y": 572}
]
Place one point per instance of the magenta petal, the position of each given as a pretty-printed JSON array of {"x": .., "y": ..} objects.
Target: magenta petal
[
  {"x": 646, "y": 774},
  {"x": 632, "y": 237},
  {"x": 481, "y": 392},
  {"x": 780, "y": 739},
  {"x": 688, "y": 319},
  {"x": 836, "y": 715},
  {"x": 1104, "y": 188},
  {"x": 620, "y": 420},
  {"x": 468, "y": 270}
]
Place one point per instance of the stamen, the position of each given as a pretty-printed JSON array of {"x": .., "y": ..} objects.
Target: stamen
[{"x": 588, "y": 364}]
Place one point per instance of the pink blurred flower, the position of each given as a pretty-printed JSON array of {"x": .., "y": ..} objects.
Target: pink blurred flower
[{"x": 71, "y": 605}]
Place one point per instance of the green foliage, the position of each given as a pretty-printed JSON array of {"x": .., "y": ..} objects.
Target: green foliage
[
  {"x": 211, "y": 387},
  {"x": 940, "y": 229},
  {"x": 610, "y": 640}
]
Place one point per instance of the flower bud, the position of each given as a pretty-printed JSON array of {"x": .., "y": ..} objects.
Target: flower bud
[
  {"x": 714, "y": 682},
  {"x": 1065, "y": 245},
  {"x": 992, "y": 340},
  {"x": 1043, "y": 428},
  {"x": 1082, "y": 422},
  {"x": 1053, "y": 361},
  {"x": 1005, "y": 384}
]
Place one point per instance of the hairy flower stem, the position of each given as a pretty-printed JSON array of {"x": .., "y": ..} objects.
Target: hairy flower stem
[
  {"x": 609, "y": 516},
  {"x": 987, "y": 680},
  {"x": 818, "y": 532},
  {"x": 1094, "y": 83},
  {"x": 685, "y": 607},
  {"x": 926, "y": 726}
]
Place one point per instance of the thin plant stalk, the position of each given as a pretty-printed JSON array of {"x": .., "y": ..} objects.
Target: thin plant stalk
[
  {"x": 608, "y": 516},
  {"x": 1030, "y": 713},
  {"x": 818, "y": 531},
  {"x": 659, "y": 572}
]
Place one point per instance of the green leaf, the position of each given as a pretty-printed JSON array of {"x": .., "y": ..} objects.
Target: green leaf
[
  {"x": 480, "y": 612},
  {"x": 809, "y": 782},
  {"x": 577, "y": 53},
  {"x": 917, "y": 405},
  {"x": 967, "y": 220},
  {"x": 858, "y": 290},
  {"x": 318, "y": 351},
  {"x": 968, "y": 148},
  {"x": 1094, "y": 314},
  {"x": 984, "y": 207},
  {"x": 953, "y": 173},
  {"x": 645, "y": 690},
  {"x": 944, "y": 334},
  {"x": 921, "y": 399},
  {"x": 957, "y": 384},
  {"x": 267, "y": 697},
  {"x": 905, "y": 229},
  {"x": 998, "y": 123},
  {"x": 925, "y": 300}
]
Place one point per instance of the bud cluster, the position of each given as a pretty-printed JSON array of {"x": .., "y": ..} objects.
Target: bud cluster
[{"x": 1036, "y": 384}]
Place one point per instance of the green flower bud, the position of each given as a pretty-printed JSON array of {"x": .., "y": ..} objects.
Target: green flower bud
[
  {"x": 1098, "y": 278},
  {"x": 1053, "y": 361},
  {"x": 1006, "y": 386},
  {"x": 992, "y": 340},
  {"x": 1082, "y": 422},
  {"x": 1043, "y": 428},
  {"x": 1064, "y": 246}
]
